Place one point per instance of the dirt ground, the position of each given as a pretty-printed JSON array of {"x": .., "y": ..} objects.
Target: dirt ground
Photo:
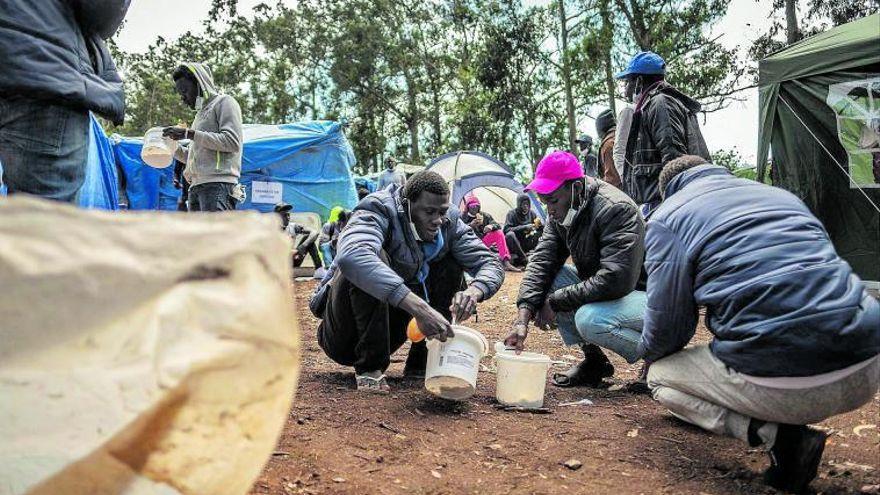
[{"x": 339, "y": 441}]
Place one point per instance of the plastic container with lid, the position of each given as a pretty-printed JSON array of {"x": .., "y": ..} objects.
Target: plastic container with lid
[
  {"x": 521, "y": 378},
  {"x": 453, "y": 365}
]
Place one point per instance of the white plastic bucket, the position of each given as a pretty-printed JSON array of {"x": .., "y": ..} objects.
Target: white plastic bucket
[
  {"x": 521, "y": 379},
  {"x": 157, "y": 151},
  {"x": 453, "y": 365}
]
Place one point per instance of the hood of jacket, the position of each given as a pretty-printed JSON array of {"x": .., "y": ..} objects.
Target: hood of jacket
[
  {"x": 686, "y": 177},
  {"x": 691, "y": 104},
  {"x": 205, "y": 79}
]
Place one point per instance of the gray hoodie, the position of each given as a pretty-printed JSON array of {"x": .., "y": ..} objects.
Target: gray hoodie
[{"x": 214, "y": 155}]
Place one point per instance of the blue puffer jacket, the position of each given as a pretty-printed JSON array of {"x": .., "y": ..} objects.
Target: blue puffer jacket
[
  {"x": 380, "y": 223},
  {"x": 55, "y": 50},
  {"x": 779, "y": 300}
]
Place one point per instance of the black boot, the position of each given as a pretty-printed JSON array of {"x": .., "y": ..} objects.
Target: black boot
[
  {"x": 416, "y": 361},
  {"x": 587, "y": 373},
  {"x": 794, "y": 458}
]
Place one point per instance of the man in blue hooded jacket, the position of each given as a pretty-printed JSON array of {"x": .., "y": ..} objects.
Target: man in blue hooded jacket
[
  {"x": 797, "y": 336},
  {"x": 56, "y": 68}
]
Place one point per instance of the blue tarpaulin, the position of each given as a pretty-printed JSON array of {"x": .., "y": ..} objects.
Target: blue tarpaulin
[
  {"x": 148, "y": 188},
  {"x": 100, "y": 187},
  {"x": 306, "y": 164}
]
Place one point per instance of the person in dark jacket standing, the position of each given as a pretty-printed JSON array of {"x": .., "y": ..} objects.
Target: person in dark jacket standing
[
  {"x": 797, "y": 336},
  {"x": 588, "y": 158},
  {"x": 592, "y": 302},
  {"x": 402, "y": 256},
  {"x": 522, "y": 229},
  {"x": 605, "y": 128},
  {"x": 664, "y": 126},
  {"x": 56, "y": 68}
]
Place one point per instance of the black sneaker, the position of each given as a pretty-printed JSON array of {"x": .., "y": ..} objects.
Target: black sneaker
[
  {"x": 794, "y": 458},
  {"x": 416, "y": 361}
]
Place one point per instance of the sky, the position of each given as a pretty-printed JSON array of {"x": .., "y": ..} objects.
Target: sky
[{"x": 735, "y": 127}]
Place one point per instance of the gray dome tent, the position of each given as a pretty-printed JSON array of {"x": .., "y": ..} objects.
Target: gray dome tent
[{"x": 488, "y": 178}]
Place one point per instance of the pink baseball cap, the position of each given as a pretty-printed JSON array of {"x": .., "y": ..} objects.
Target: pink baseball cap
[{"x": 554, "y": 170}]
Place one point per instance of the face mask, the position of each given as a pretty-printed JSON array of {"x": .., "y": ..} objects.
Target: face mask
[
  {"x": 200, "y": 102},
  {"x": 572, "y": 211}
]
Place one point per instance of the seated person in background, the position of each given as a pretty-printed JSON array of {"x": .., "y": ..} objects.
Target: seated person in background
[
  {"x": 522, "y": 229},
  {"x": 592, "y": 302},
  {"x": 307, "y": 246},
  {"x": 402, "y": 256},
  {"x": 488, "y": 230},
  {"x": 330, "y": 234},
  {"x": 797, "y": 336}
]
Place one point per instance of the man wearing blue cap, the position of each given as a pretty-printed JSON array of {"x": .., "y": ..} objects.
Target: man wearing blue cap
[{"x": 664, "y": 127}]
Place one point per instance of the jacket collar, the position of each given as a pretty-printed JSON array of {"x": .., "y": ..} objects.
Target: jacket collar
[{"x": 690, "y": 175}]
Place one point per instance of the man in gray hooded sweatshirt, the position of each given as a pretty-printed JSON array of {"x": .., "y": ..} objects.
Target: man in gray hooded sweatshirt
[{"x": 213, "y": 157}]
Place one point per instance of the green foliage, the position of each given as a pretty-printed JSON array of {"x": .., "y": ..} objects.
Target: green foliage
[
  {"x": 814, "y": 16},
  {"x": 417, "y": 79}
]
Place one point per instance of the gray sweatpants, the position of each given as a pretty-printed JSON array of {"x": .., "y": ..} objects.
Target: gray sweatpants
[{"x": 698, "y": 388}]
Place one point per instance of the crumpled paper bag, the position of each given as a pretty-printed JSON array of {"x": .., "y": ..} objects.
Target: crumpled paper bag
[{"x": 141, "y": 353}]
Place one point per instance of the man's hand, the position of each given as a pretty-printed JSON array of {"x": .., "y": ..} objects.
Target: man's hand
[
  {"x": 516, "y": 339},
  {"x": 489, "y": 228},
  {"x": 177, "y": 133},
  {"x": 433, "y": 325},
  {"x": 464, "y": 303},
  {"x": 546, "y": 317}
]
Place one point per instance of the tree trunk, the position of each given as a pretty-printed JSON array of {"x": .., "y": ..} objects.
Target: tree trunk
[
  {"x": 565, "y": 73},
  {"x": 791, "y": 23},
  {"x": 608, "y": 41},
  {"x": 412, "y": 119}
]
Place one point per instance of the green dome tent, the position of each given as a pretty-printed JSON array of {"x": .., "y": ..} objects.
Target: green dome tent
[{"x": 820, "y": 118}]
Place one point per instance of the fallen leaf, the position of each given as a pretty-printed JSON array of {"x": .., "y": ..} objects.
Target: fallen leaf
[
  {"x": 858, "y": 429},
  {"x": 633, "y": 433},
  {"x": 339, "y": 480},
  {"x": 400, "y": 436},
  {"x": 495, "y": 446},
  {"x": 870, "y": 489},
  {"x": 436, "y": 474},
  {"x": 573, "y": 464}
]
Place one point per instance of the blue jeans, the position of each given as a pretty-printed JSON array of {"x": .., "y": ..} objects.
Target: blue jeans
[
  {"x": 326, "y": 254},
  {"x": 615, "y": 325},
  {"x": 43, "y": 148}
]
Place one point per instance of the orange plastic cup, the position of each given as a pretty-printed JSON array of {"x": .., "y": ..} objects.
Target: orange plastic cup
[{"x": 413, "y": 333}]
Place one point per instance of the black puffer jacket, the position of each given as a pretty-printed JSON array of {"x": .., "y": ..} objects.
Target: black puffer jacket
[
  {"x": 54, "y": 50},
  {"x": 664, "y": 127},
  {"x": 606, "y": 242}
]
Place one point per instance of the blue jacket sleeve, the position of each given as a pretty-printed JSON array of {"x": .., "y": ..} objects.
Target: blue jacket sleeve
[
  {"x": 358, "y": 258},
  {"x": 671, "y": 315}
]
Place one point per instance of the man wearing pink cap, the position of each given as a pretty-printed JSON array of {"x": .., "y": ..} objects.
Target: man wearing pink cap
[{"x": 592, "y": 302}]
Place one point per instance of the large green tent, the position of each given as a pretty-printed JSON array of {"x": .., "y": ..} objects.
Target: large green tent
[{"x": 820, "y": 118}]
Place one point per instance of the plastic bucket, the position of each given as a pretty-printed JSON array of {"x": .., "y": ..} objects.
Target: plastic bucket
[
  {"x": 521, "y": 379},
  {"x": 453, "y": 365},
  {"x": 157, "y": 151}
]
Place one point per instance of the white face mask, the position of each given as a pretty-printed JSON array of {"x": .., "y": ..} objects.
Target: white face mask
[
  {"x": 572, "y": 211},
  {"x": 200, "y": 102}
]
